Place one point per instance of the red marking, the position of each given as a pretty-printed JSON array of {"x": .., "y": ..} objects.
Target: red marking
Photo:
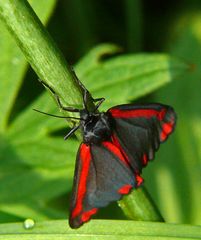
[
  {"x": 125, "y": 189},
  {"x": 86, "y": 215},
  {"x": 114, "y": 149},
  {"x": 117, "y": 144},
  {"x": 167, "y": 127},
  {"x": 163, "y": 136},
  {"x": 146, "y": 113},
  {"x": 161, "y": 114},
  {"x": 166, "y": 130},
  {"x": 115, "y": 141},
  {"x": 144, "y": 159},
  {"x": 139, "y": 179},
  {"x": 85, "y": 158}
]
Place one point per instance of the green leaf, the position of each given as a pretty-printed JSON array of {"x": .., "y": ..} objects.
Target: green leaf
[
  {"x": 96, "y": 229},
  {"x": 126, "y": 77},
  {"x": 178, "y": 168},
  {"x": 32, "y": 124},
  {"x": 41, "y": 164},
  {"x": 13, "y": 64}
]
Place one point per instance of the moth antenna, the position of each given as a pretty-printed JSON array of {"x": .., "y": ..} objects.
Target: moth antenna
[
  {"x": 71, "y": 132},
  {"x": 56, "y": 116}
]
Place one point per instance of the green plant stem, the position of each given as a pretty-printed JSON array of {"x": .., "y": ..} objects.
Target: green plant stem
[
  {"x": 47, "y": 61},
  {"x": 138, "y": 205},
  {"x": 40, "y": 50}
]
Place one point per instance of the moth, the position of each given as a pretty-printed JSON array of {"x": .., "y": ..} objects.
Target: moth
[{"x": 116, "y": 145}]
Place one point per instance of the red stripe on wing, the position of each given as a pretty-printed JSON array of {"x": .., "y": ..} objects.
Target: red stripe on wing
[
  {"x": 115, "y": 141},
  {"x": 165, "y": 115},
  {"x": 85, "y": 158},
  {"x": 126, "y": 160},
  {"x": 115, "y": 150},
  {"x": 117, "y": 144},
  {"x": 145, "y": 113}
]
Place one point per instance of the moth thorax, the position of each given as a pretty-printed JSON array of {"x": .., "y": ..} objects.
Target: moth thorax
[{"x": 97, "y": 128}]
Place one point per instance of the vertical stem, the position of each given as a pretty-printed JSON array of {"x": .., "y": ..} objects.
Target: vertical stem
[{"x": 40, "y": 50}]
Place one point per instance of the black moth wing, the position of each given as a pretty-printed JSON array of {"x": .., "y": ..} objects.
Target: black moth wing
[
  {"x": 101, "y": 176},
  {"x": 138, "y": 131}
]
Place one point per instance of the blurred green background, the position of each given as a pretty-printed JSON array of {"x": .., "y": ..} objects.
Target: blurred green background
[{"x": 36, "y": 165}]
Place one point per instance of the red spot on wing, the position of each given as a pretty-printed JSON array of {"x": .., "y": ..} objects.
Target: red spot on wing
[
  {"x": 139, "y": 179},
  {"x": 145, "y": 113},
  {"x": 125, "y": 189},
  {"x": 87, "y": 215},
  {"x": 85, "y": 158},
  {"x": 167, "y": 128},
  {"x": 144, "y": 160}
]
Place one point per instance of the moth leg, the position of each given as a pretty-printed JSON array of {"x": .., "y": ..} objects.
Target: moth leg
[
  {"x": 100, "y": 101},
  {"x": 78, "y": 81},
  {"x": 86, "y": 93},
  {"x": 68, "y": 109},
  {"x": 85, "y": 96}
]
